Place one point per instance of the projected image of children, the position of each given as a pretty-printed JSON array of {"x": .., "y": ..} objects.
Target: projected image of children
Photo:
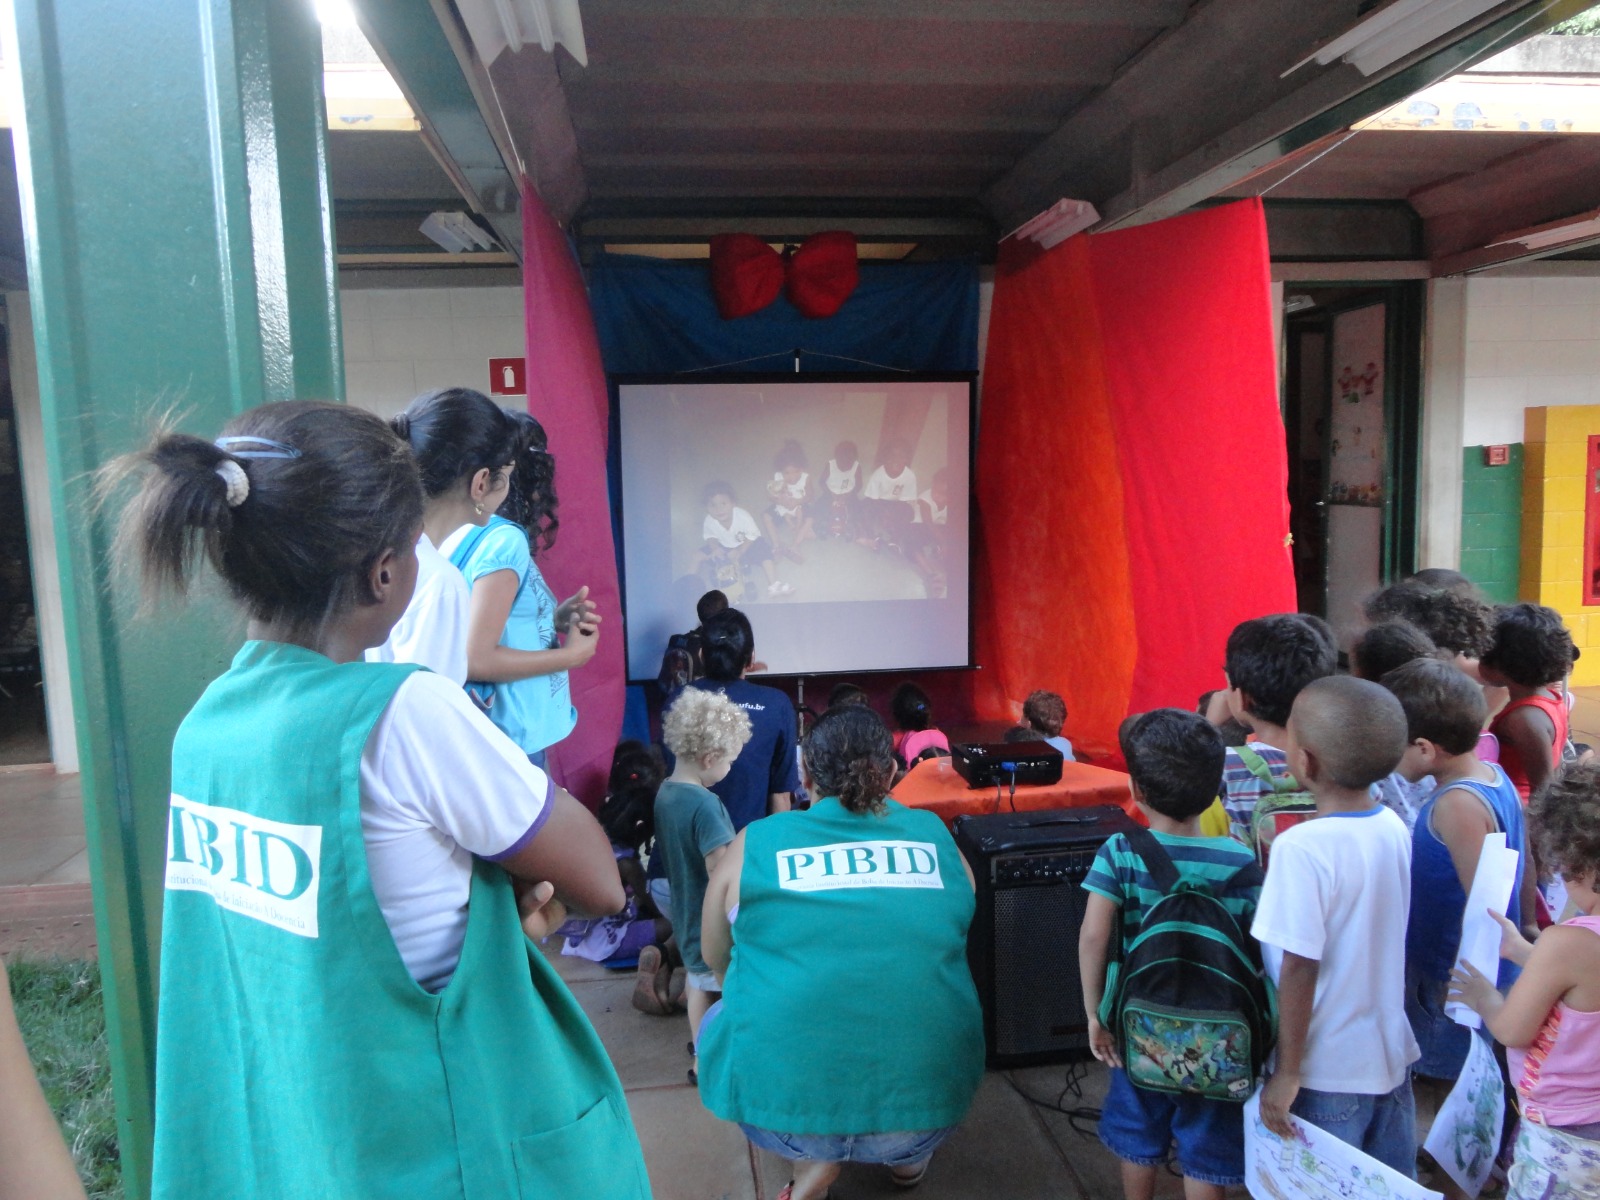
[
  {"x": 835, "y": 511},
  {"x": 881, "y": 541}
]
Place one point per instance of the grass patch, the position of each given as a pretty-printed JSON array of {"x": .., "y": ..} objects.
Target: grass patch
[{"x": 64, "y": 1025}]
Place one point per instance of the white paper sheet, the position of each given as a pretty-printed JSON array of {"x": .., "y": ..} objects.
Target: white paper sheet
[
  {"x": 1480, "y": 933},
  {"x": 1315, "y": 1165},
  {"x": 1466, "y": 1134}
]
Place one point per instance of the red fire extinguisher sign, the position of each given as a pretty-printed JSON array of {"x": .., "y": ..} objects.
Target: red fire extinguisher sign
[{"x": 508, "y": 377}]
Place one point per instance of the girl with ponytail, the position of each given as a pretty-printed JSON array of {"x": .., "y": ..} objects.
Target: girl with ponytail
[
  {"x": 343, "y": 838},
  {"x": 465, "y": 445},
  {"x": 520, "y": 642},
  {"x": 851, "y": 931}
]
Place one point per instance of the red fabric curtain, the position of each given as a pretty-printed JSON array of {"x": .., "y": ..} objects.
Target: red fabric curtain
[
  {"x": 567, "y": 393},
  {"x": 1132, "y": 470}
]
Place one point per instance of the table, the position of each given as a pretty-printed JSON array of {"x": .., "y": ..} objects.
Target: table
[{"x": 934, "y": 785}]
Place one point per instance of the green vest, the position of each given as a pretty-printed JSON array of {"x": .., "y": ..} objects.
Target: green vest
[
  {"x": 296, "y": 1057},
  {"x": 848, "y": 1007}
]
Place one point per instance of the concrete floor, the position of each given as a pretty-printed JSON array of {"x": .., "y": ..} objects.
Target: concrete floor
[{"x": 1007, "y": 1148}]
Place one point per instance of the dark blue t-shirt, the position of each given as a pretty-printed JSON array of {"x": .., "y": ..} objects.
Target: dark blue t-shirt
[{"x": 767, "y": 763}]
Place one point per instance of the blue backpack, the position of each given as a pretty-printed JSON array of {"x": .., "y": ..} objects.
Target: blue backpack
[{"x": 1188, "y": 1002}]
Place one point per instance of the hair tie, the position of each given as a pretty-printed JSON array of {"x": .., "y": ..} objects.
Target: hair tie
[
  {"x": 274, "y": 449},
  {"x": 235, "y": 480},
  {"x": 402, "y": 426}
]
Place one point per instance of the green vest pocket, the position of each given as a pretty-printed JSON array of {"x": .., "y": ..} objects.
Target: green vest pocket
[{"x": 582, "y": 1159}]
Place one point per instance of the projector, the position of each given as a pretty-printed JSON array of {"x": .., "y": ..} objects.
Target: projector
[{"x": 1021, "y": 763}]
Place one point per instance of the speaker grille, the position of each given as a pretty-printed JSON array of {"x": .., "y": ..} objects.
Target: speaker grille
[{"x": 1038, "y": 994}]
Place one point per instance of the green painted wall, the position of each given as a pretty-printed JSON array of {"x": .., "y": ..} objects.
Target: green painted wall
[{"x": 1491, "y": 523}]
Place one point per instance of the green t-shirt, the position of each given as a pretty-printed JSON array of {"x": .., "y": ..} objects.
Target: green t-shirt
[{"x": 690, "y": 824}]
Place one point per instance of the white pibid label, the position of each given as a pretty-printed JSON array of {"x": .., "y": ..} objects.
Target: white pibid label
[
  {"x": 261, "y": 869},
  {"x": 859, "y": 864}
]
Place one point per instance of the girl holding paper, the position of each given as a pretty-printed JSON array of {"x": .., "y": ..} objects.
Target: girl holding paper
[{"x": 1550, "y": 1020}]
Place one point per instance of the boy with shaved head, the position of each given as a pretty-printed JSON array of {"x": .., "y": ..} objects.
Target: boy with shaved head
[{"x": 1332, "y": 928}]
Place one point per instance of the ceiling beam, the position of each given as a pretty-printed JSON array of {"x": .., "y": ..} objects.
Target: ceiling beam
[
  {"x": 1204, "y": 106},
  {"x": 775, "y": 73},
  {"x": 867, "y": 122},
  {"x": 831, "y": 163},
  {"x": 1125, "y": 13},
  {"x": 431, "y": 58}
]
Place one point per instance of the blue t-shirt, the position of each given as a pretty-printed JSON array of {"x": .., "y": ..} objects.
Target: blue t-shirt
[
  {"x": 767, "y": 763},
  {"x": 536, "y": 712}
]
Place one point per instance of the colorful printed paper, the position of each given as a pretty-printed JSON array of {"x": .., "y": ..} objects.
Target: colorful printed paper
[
  {"x": 1466, "y": 1134},
  {"x": 1315, "y": 1165},
  {"x": 1480, "y": 933}
]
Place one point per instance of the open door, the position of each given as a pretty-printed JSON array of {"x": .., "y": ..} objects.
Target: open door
[{"x": 1351, "y": 397}]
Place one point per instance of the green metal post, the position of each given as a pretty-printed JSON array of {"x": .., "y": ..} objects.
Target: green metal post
[{"x": 180, "y": 259}]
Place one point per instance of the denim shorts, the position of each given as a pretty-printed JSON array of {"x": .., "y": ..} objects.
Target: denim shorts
[
  {"x": 1442, "y": 1041},
  {"x": 1384, "y": 1127},
  {"x": 904, "y": 1149},
  {"x": 1140, "y": 1126}
]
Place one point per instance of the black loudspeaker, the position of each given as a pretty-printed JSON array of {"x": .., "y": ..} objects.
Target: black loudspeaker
[
  {"x": 1023, "y": 945},
  {"x": 1016, "y": 763}
]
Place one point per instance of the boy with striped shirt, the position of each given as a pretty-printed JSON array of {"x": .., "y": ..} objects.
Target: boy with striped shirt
[{"x": 1175, "y": 761}]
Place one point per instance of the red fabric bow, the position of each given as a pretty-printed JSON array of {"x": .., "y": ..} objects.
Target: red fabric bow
[{"x": 818, "y": 277}]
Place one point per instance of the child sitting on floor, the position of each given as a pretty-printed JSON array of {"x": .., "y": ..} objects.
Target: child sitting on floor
[
  {"x": 1550, "y": 1021},
  {"x": 1047, "y": 712},
  {"x": 791, "y": 494},
  {"x": 1332, "y": 928},
  {"x": 915, "y": 737},
  {"x": 730, "y": 539},
  {"x": 705, "y": 732},
  {"x": 1530, "y": 654},
  {"x": 1268, "y": 661},
  {"x": 1175, "y": 763}
]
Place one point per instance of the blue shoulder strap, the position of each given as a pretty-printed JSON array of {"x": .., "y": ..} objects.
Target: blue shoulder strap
[{"x": 465, "y": 547}]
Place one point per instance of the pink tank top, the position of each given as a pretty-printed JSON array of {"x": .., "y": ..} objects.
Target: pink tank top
[{"x": 1558, "y": 1077}]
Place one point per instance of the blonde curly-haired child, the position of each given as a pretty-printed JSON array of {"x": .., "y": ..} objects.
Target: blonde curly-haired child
[{"x": 705, "y": 732}]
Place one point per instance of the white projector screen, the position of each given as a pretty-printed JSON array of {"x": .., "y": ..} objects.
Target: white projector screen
[{"x": 718, "y": 475}]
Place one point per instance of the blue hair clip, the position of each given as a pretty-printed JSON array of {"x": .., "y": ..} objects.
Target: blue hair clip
[{"x": 272, "y": 449}]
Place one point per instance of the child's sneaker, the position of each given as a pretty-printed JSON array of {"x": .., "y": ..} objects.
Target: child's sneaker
[{"x": 779, "y": 588}]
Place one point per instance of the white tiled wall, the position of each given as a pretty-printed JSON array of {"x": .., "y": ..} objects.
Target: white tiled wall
[
  {"x": 1530, "y": 341},
  {"x": 400, "y": 342}
]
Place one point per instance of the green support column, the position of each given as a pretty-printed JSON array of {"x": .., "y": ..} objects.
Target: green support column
[{"x": 171, "y": 158}]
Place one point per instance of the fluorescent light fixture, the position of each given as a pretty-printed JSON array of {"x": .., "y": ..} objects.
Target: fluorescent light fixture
[
  {"x": 1556, "y": 233},
  {"x": 1399, "y": 28},
  {"x": 499, "y": 25},
  {"x": 457, "y": 232},
  {"x": 1299, "y": 302},
  {"x": 1058, "y": 222}
]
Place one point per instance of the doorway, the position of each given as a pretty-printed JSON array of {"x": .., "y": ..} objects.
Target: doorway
[
  {"x": 1352, "y": 398},
  {"x": 24, "y": 738}
]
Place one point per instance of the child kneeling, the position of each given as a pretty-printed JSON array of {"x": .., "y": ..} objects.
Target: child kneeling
[{"x": 1175, "y": 760}]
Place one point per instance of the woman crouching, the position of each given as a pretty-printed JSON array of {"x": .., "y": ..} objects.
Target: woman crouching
[{"x": 849, "y": 1029}]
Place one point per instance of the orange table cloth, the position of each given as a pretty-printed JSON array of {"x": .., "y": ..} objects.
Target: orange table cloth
[{"x": 934, "y": 785}]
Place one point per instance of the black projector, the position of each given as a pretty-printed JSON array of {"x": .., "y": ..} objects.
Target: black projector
[{"x": 1021, "y": 763}]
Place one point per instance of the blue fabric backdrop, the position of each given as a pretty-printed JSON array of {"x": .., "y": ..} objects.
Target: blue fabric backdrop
[{"x": 658, "y": 317}]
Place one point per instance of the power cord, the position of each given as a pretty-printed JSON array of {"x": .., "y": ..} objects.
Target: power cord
[{"x": 1082, "y": 1117}]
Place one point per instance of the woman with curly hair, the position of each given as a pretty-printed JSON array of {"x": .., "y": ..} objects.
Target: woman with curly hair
[
  {"x": 1549, "y": 1023},
  {"x": 820, "y": 923},
  {"x": 520, "y": 643},
  {"x": 1530, "y": 655}
]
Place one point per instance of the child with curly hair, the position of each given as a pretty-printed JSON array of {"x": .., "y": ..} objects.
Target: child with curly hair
[
  {"x": 705, "y": 732},
  {"x": 1047, "y": 712},
  {"x": 1530, "y": 655},
  {"x": 1550, "y": 1020}
]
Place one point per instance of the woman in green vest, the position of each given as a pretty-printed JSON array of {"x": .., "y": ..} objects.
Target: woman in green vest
[
  {"x": 349, "y": 1006},
  {"x": 849, "y": 1028}
]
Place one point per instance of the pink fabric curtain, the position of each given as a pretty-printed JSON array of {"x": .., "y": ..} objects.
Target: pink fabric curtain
[{"x": 567, "y": 393}]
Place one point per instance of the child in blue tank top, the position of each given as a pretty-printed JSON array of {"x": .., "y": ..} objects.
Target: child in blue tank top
[{"x": 1470, "y": 800}]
